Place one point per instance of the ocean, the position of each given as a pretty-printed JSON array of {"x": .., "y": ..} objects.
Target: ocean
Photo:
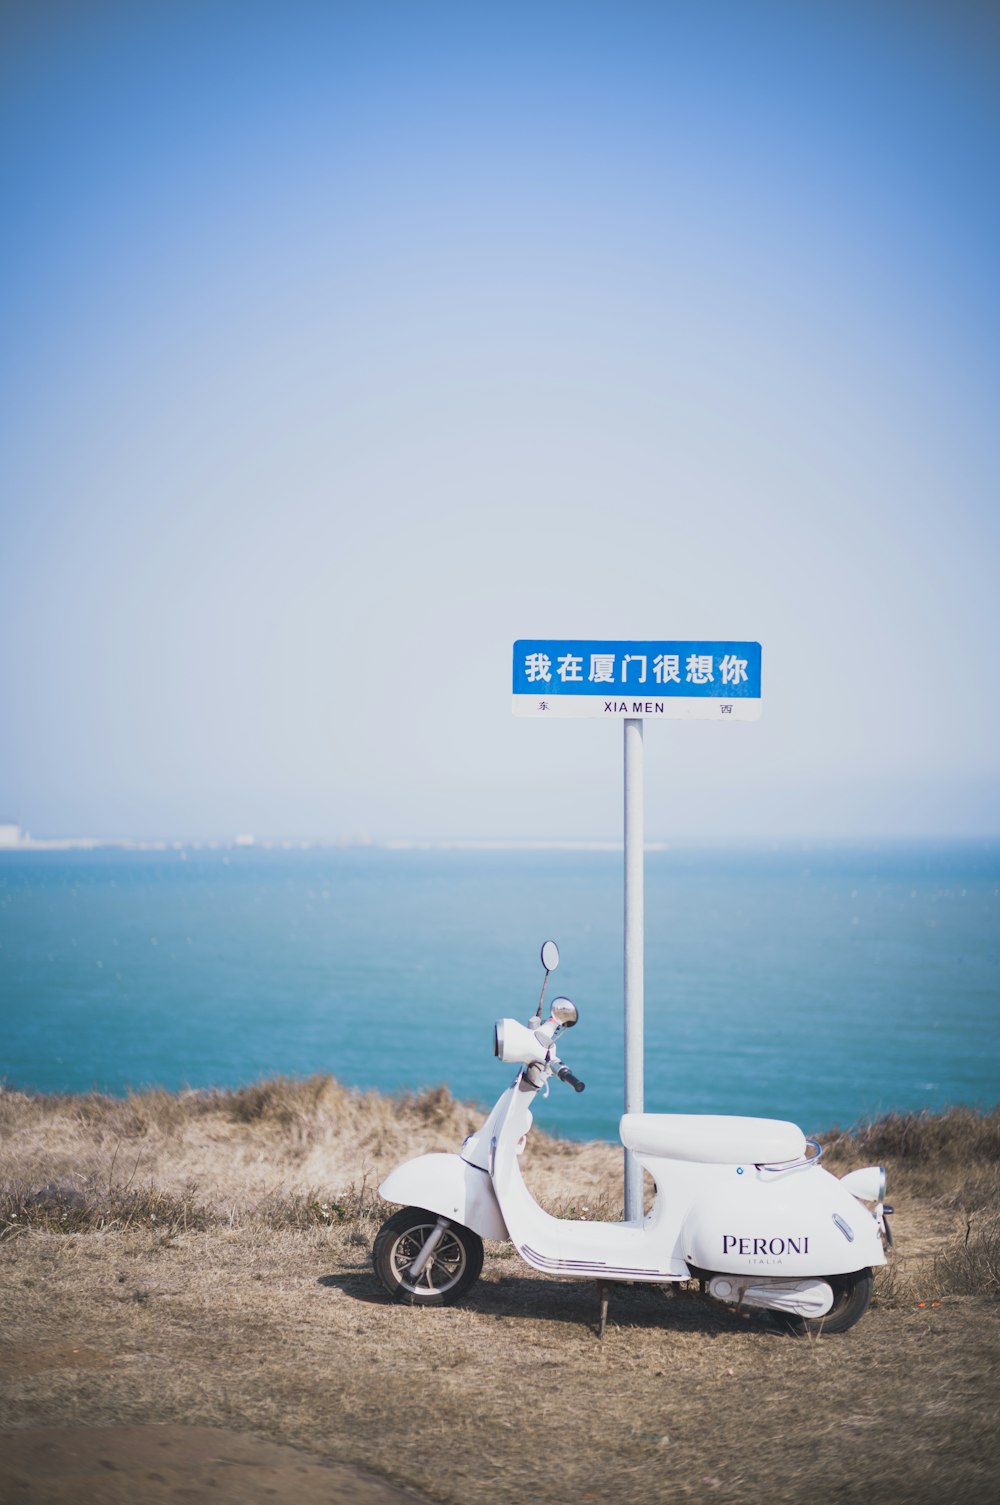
[{"x": 825, "y": 984}]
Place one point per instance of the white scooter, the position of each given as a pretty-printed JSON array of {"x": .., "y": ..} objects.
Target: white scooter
[{"x": 742, "y": 1205}]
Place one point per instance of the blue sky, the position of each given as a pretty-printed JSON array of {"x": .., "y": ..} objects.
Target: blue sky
[{"x": 345, "y": 344}]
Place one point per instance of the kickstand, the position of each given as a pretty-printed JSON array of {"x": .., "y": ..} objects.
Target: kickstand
[{"x": 602, "y": 1292}]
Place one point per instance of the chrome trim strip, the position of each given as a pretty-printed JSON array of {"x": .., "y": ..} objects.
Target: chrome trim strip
[
  {"x": 596, "y": 1267},
  {"x": 794, "y": 1165},
  {"x": 844, "y": 1227}
]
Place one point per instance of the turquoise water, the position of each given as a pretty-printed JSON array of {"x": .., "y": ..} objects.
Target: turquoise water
[{"x": 824, "y": 985}]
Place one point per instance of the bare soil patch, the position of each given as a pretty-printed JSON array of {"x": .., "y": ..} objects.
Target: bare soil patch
[{"x": 144, "y": 1465}]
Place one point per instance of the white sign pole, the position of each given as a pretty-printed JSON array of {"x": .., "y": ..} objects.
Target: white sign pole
[{"x": 634, "y": 903}]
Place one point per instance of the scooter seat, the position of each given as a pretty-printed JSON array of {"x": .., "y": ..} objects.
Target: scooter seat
[{"x": 713, "y": 1139}]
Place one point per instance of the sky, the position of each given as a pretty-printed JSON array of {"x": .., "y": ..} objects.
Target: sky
[{"x": 342, "y": 345}]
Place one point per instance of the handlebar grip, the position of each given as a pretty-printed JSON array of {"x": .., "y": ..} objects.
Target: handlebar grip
[{"x": 565, "y": 1075}]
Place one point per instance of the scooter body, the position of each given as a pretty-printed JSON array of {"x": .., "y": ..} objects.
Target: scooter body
[{"x": 742, "y": 1204}]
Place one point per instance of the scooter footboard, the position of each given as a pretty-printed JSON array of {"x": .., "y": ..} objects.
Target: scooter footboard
[{"x": 450, "y": 1187}]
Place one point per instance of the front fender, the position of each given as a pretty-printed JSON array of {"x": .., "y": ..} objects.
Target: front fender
[{"x": 451, "y": 1187}]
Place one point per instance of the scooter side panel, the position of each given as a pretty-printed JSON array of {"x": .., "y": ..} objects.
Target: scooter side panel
[
  {"x": 449, "y": 1186},
  {"x": 802, "y": 1223}
]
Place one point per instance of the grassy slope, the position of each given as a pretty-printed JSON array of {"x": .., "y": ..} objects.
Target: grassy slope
[{"x": 204, "y": 1259}]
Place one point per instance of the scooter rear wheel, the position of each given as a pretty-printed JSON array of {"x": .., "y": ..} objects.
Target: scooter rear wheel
[
  {"x": 452, "y": 1269},
  {"x": 852, "y": 1295}
]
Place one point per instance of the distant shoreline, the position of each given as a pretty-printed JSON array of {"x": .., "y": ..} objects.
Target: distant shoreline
[
  {"x": 291, "y": 844},
  {"x": 484, "y": 844}
]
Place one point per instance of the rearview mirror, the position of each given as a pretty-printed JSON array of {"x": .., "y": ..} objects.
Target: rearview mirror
[
  {"x": 565, "y": 1012},
  {"x": 550, "y": 956}
]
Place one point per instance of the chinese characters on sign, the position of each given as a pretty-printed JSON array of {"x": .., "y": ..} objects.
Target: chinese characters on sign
[
  {"x": 673, "y": 679},
  {"x": 698, "y": 668}
]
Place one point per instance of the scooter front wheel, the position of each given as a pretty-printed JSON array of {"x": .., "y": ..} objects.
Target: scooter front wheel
[
  {"x": 452, "y": 1269},
  {"x": 852, "y": 1295}
]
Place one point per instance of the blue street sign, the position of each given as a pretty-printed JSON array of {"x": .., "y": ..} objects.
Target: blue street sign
[{"x": 676, "y": 680}]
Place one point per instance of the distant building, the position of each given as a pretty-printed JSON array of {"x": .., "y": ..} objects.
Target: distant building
[
  {"x": 10, "y": 833},
  {"x": 244, "y": 840}
]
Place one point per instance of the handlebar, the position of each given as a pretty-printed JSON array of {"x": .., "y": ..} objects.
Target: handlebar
[{"x": 565, "y": 1075}]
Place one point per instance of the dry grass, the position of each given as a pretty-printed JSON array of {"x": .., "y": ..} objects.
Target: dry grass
[
  {"x": 951, "y": 1158},
  {"x": 236, "y": 1148},
  {"x": 203, "y": 1259}
]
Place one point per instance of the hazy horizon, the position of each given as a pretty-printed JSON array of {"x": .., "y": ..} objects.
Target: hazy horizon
[{"x": 486, "y": 841}]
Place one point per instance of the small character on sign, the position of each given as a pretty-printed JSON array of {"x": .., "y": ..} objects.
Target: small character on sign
[
  {"x": 699, "y": 669},
  {"x": 602, "y": 668},
  {"x": 726, "y": 710},
  {"x": 537, "y": 666},
  {"x": 667, "y": 668},
  {"x": 634, "y": 658},
  {"x": 543, "y": 705},
  {"x": 733, "y": 670},
  {"x": 570, "y": 667}
]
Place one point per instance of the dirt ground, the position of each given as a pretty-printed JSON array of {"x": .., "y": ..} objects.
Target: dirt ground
[
  {"x": 508, "y": 1397},
  {"x": 199, "y": 1465},
  {"x": 254, "y": 1357}
]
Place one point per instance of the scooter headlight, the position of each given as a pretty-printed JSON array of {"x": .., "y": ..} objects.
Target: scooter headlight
[
  {"x": 514, "y": 1044},
  {"x": 867, "y": 1184}
]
